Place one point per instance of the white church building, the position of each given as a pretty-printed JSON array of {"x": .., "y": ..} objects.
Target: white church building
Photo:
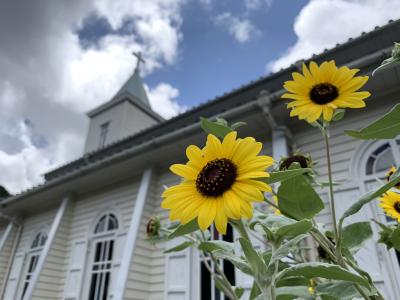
[{"x": 82, "y": 233}]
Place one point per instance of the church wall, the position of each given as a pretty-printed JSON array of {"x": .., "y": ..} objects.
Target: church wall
[
  {"x": 6, "y": 252},
  {"x": 31, "y": 226},
  {"x": 134, "y": 120},
  {"x": 119, "y": 198},
  {"x": 114, "y": 115},
  {"x": 139, "y": 284},
  {"x": 51, "y": 279}
]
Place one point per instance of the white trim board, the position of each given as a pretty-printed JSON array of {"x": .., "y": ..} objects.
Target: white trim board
[
  {"x": 46, "y": 249},
  {"x": 131, "y": 237}
]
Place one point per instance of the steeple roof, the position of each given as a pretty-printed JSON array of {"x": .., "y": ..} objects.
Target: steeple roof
[{"x": 134, "y": 86}]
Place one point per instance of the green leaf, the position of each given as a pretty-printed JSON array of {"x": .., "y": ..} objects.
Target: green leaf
[
  {"x": 355, "y": 235},
  {"x": 395, "y": 237},
  {"x": 343, "y": 290},
  {"x": 180, "y": 247},
  {"x": 323, "y": 270},
  {"x": 293, "y": 281},
  {"x": 212, "y": 246},
  {"x": 368, "y": 197},
  {"x": 285, "y": 175},
  {"x": 236, "y": 125},
  {"x": 255, "y": 291},
  {"x": 238, "y": 262},
  {"x": 295, "y": 229},
  {"x": 387, "y": 127},
  {"x": 239, "y": 291},
  {"x": 285, "y": 249},
  {"x": 296, "y": 291},
  {"x": 214, "y": 128},
  {"x": 255, "y": 261},
  {"x": 185, "y": 229},
  {"x": 338, "y": 115},
  {"x": 298, "y": 199}
]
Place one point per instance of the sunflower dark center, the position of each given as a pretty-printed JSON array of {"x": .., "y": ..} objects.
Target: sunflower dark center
[
  {"x": 300, "y": 159},
  {"x": 323, "y": 93},
  {"x": 397, "y": 207},
  {"x": 216, "y": 177}
]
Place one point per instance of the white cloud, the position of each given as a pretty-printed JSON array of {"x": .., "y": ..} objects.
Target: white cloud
[
  {"x": 50, "y": 79},
  {"x": 162, "y": 100},
  {"x": 256, "y": 4},
  {"x": 323, "y": 23},
  {"x": 242, "y": 30}
]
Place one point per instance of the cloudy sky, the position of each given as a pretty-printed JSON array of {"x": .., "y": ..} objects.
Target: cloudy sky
[{"x": 61, "y": 58}]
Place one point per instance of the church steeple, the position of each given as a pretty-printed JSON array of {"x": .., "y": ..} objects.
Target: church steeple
[
  {"x": 134, "y": 85},
  {"x": 127, "y": 113}
]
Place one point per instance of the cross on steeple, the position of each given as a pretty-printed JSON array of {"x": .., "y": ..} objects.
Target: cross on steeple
[{"x": 139, "y": 59}]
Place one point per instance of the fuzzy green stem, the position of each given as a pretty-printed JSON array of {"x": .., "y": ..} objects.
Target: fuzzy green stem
[{"x": 325, "y": 134}]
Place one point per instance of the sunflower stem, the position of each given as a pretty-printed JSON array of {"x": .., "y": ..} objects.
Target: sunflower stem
[{"x": 325, "y": 133}]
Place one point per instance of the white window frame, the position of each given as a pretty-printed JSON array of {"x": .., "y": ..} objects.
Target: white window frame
[
  {"x": 33, "y": 253},
  {"x": 96, "y": 238},
  {"x": 359, "y": 168}
]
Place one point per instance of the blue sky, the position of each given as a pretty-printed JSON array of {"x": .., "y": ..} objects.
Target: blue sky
[
  {"x": 211, "y": 62},
  {"x": 60, "y": 59}
]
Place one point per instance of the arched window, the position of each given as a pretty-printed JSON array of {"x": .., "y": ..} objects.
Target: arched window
[
  {"x": 101, "y": 256},
  {"x": 379, "y": 157},
  {"x": 33, "y": 257}
]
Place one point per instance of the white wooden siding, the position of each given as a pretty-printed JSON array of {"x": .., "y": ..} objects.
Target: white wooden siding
[{"x": 6, "y": 252}]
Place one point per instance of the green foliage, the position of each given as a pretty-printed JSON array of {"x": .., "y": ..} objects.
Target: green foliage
[
  {"x": 342, "y": 290},
  {"x": 185, "y": 229},
  {"x": 218, "y": 129},
  {"x": 298, "y": 199},
  {"x": 323, "y": 270},
  {"x": 386, "y": 127},
  {"x": 239, "y": 291},
  {"x": 355, "y": 235},
  {"x": 216, "y": 245},
  {"x": 284, "y": 250},
  {"x": 256, "y": 263},
  {"x": 293, "y": 292},
  {"x": 280, "y": 176},
  {"x": 180, "y": 247},
  {"x": 338, "y": 114},
  {"x": 389, "y": 235}
]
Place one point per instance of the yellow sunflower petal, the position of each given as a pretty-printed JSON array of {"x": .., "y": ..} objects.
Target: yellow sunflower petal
[
  {"x": 207, "y": 214},
  {"x": 185, "y": 171},
  {"x": 221, "y": 220}
]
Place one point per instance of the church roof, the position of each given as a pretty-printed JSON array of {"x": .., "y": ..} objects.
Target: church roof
[
  {"x": 373, "y": 46},
  {"x": 134, "y": 86}
]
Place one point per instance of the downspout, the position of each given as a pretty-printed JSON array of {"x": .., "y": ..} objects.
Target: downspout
[{"x": 280, "y": 133}]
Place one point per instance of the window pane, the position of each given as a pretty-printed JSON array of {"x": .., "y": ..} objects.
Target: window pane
[
  {"x": 101, "y": 225},
  {"x": 112, "y": 222},
  {"x": 205, "y": 283},
  {"x": 384, "y": 161}
]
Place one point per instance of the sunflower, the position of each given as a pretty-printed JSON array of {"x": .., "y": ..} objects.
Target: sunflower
[
  {"x": 219, "y": 182},
  {"x": 322, "y": 89},
  {"x": 389, "y": 175},
  {"x": 390, "y": 202}
]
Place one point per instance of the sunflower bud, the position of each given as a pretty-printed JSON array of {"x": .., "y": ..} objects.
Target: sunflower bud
[
  {"x": 153, "y": 227},
  {"x": 390, "y": 174},
  {"x": 396, "y": 51},
  {"x": 303, "y": 161}
]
